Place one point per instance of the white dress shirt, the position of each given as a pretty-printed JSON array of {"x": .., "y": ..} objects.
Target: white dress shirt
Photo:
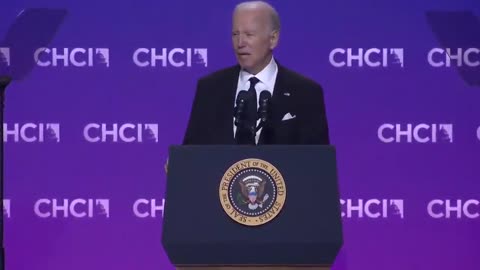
[{"x": 267, "y": 79}]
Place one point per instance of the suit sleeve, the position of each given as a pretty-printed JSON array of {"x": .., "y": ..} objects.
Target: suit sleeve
[
  {"x": 194, "y": 134},
  {"x": 316, "y": 129}
]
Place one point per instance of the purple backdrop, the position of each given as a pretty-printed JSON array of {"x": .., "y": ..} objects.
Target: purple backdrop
[{"x": 404, "y": 120}]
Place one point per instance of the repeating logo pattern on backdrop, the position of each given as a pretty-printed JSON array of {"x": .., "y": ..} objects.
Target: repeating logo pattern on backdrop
[
  {"x": 149, "y": 132},
  {"x": 372, "y": 57},
  {"x": 449, "y": 57},
  {"x": 76, "y": 57},
  {"x": 31, "y": 132},
  {"x": 144, "y": 208},
  {"x": 189, "y": 57},
  {"x": 78, "y": 208},
  {"x": 446, "y": 209},
  {"x": 372, "y": 208},
  {"x": 252, "y": 205},
  {"x": 176, "y": 57},
  {"x": 415, "y": 133},
  {"x": 251, "y": 194},
  {"x": 115, "y": 132}
]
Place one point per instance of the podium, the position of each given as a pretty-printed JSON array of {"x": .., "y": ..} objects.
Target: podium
[{"x": 230, "y": 207}]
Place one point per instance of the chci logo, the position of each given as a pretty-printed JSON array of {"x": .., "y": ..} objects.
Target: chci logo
[{"x": 252, "y": 192}]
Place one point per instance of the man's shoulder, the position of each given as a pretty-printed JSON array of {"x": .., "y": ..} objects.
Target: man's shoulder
[{"x": 298, "y": 79}]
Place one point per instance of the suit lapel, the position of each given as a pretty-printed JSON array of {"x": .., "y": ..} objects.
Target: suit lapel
[
  {"x": 280, "y": 105},
  {"x": 280, "y": 98},
  {"x": 227, "y": 91}
]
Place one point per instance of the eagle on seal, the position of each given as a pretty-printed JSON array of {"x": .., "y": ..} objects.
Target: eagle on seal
[{"x": 252, "y": 188}]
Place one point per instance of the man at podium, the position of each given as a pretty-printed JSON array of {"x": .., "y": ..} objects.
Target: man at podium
[
  {"x": 258, "y": 100},
  {"x": 247, "y": 219}
]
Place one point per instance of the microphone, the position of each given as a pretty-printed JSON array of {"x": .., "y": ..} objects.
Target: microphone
[
  {"x": 4, "y": 82},
  {"x": 264, "y": 108},
  {"x": 240, "y": 104}
]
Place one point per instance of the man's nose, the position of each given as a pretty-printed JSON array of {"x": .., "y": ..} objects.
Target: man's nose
[{"x": 241, "y": 41}]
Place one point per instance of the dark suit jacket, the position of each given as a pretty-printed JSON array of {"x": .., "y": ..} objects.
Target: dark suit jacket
[{"x": 211, "y": 118}]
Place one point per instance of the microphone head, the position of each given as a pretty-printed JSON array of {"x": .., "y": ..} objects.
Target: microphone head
[
  {"x": 263, "y": 110},
  {"x": 4, "y": 81},
  {"x": 239, "y": 105},
  {"x": 265, "y": 95},
  {"x": 242, "y": 96}
]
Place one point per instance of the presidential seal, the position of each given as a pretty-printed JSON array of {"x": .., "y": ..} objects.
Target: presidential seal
[{"x": 252, "y": 192}]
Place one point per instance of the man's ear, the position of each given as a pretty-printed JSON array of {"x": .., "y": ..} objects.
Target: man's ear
[{"x": 274, "y": 37}]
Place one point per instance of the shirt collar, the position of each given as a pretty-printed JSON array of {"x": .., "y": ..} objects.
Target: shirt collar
[{"x": 266, "y": 75}]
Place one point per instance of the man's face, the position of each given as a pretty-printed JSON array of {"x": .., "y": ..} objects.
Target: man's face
[{"x": 253, "y": 39}]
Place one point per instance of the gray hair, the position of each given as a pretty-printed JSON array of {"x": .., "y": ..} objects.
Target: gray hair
[{"x": 274, "y": 18}]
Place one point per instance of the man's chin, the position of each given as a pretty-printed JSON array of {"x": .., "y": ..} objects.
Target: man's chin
[{"x": 246, "y": 67}]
